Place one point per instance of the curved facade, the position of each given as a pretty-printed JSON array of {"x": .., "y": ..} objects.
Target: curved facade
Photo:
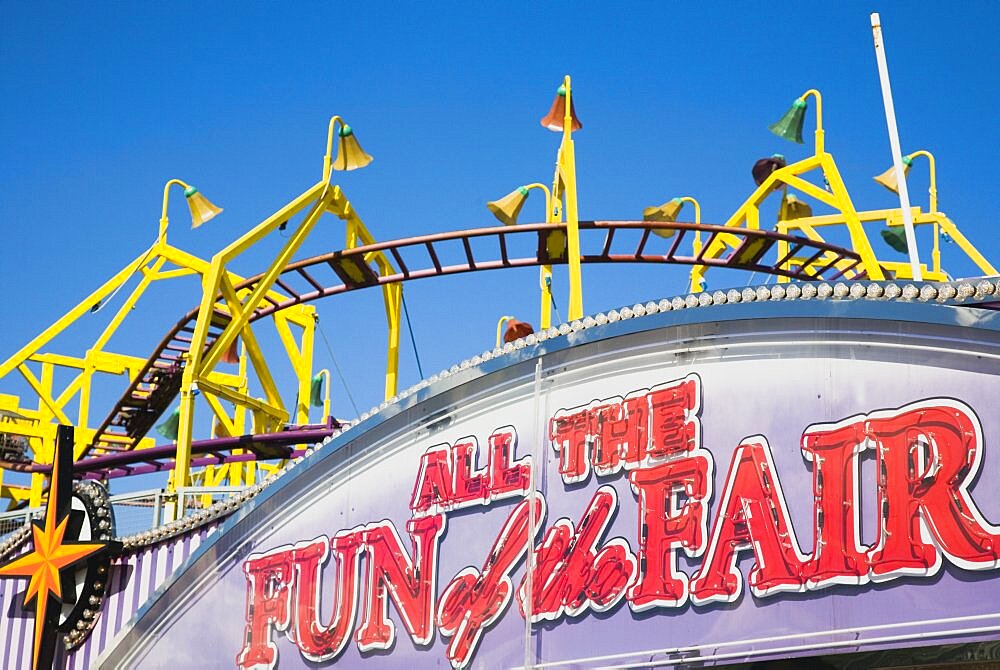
[{"x": 726, "y": 483}]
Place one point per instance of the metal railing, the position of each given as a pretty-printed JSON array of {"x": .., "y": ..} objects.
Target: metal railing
[{"x": 136, "y": 511}]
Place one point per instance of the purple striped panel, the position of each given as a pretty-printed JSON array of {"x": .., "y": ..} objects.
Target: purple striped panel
[{"x": 135, "y": 578}]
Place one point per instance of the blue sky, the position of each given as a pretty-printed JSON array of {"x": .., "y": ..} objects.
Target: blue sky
[{"x": 106, "y": 101}]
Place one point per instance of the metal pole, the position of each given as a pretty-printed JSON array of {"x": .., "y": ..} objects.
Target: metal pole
[
  {"x": 157, "y": 509},
  {"x": 897, "y": 156},
  {"x": 529, "y": 557}
]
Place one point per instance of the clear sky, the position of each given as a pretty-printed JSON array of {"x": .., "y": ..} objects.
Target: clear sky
[{"x": 103, "y": 102}]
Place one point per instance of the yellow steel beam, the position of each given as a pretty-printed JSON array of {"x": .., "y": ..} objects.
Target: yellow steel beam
[
  {"x": 44, "y": 395},
  {"x": 129, "y": 304},
  {"x": 566, "y": 162},
  {"x": 859, "y": 240},
  {"x": 278, "y": 414},
  {"x": 301, "y": 358},
  {"x": 316, "y": 196},
  {"x": 83, "y": 307},
  {"x": 226, "y": 426},
  {"x": 953, "y": 232},
  {"x": 263, "y": 285},
  {"x": 811, "y": 190},
  {"x": 357, "y": 234},
  {"x": 252, "y": 348},
  {"x": 16, "y": 494},
  {"x": 173, "y": 274}
]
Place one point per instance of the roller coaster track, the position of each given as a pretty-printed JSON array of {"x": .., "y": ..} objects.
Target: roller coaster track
[
  {"x": 158, "y": 383},
  {"x": 216, "y": 451}
]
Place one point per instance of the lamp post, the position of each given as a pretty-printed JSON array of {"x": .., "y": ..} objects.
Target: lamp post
[
  {"x": 562, "y": 117},
  {"x": 790, "y": 125},
  {"x": 669, "y": 211},
  {"x": 201, "y": 209},
  {"x": 888, "y": 178},
  {"x": 506, "y": 210},
  {"x": 350, "y": 155}
]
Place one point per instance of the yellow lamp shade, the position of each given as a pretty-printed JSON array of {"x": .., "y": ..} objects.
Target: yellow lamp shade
[
  {"x": 556, "y": 117},
  {"x": 202, "y": 210},
  {"x": 888, "y": 178},
  {"x": 508, "y": 207},
  {"x": 793, "y": 208},
  {"x": 350, "y": 155},
  {"x": 668, "y": 211}
]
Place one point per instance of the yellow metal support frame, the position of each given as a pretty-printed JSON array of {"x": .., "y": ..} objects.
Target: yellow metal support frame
[
  {"x": 837, "y": 197},
  {"x": 219, "y": 295}
]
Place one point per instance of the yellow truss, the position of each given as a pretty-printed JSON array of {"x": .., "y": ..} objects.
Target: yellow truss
[{"x": 226, "y": 395}]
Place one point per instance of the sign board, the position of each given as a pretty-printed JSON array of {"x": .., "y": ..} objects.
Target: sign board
[{"x": 643, "y": 494}]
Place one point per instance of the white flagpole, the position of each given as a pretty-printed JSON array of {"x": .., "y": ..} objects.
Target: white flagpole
[{"x": 897, "y": 156}]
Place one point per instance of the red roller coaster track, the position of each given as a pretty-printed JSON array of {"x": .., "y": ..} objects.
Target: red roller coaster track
[{"x": 158, "y": 383}]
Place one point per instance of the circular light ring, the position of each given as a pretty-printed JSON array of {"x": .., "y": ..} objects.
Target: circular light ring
[{"x": 79, "y": 623}]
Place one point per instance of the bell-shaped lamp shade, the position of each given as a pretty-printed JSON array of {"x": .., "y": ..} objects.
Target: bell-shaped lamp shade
[
  {"x": 556, "y": 117},
  {"x": 202, "y": 210},
  {"x": 895, "y": 237},
  {"x": 763, "y": 168},
  {"x": 316, "y": 391},
  {"x": 888, "y": 178},
  {"x": 508, "y": 207},
  {"x": 168, "y": 428},
  {"x": 789, "y": 126},
  {"x": 793, "y": 208},
  {"x": 232, "y": 353},
  {"x": 668, "y": 211},
  {"x": 350, "y": 155},
  {"x": 516, "y": 330}
]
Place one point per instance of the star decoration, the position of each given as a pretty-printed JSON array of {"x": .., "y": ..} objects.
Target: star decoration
[{"x": 49, "y": 566}]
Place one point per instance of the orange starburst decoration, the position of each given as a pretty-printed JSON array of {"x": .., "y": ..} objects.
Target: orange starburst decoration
[{"x": 52, "y": 558}]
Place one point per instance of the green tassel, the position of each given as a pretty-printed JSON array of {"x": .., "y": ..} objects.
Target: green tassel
[
  {"x": 168, "y": 428},
  {"x": 789, "y": 126},
  {"x": 316, "y": 391},
  {"x": 895, "y": 238}
]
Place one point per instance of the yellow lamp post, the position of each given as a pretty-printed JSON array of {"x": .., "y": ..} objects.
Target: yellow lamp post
[
  {"x": 789, "y": 126},
  {"x": 895, "y": 237},
  {"x": 669, "y": 211},
  {"x": 888, "y": 178},
  {"x": 562, "y": 118},
  {"x": 201, "y": 209},
  {"x": 506, "y": 210},
  {"x": 350, "y": 155}
]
